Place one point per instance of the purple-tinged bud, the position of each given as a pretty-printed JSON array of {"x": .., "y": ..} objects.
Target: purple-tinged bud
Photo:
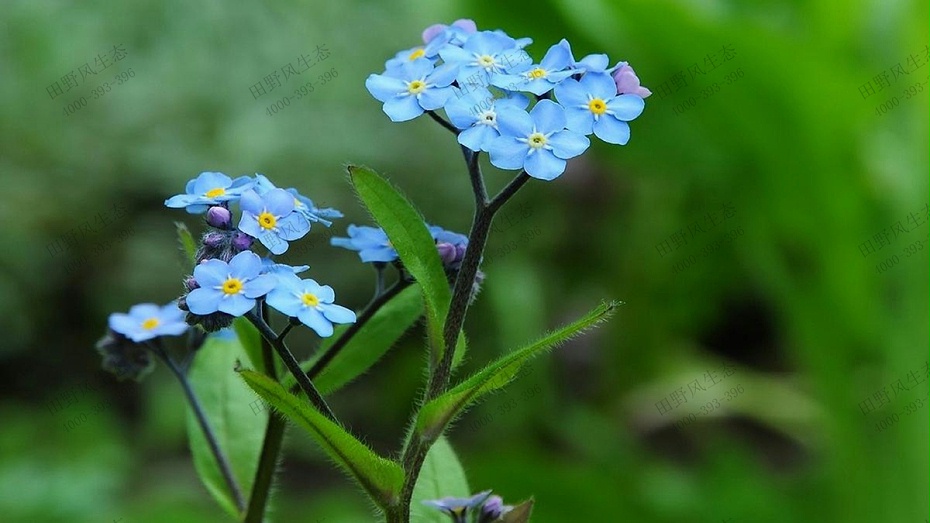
[
  {"x": 190, "y": 283},
  {"x": 466, "y": 25},
  {"x": 628, "y": 83},
  {"x": 219, "y": 217},
  {"x": 446, "y": 252},
  {"x": 213, "y": 239},
  {"x": 493, "y": 509},
  {"x": 241, "y": 241},
  {"x": 460, "y": 252}
]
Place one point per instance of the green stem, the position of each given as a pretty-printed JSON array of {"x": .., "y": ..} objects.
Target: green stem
[{"x": 218, "y": 455}]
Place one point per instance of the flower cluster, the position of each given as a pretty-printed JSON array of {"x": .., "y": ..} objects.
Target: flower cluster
[
  {"x": 485, "y": 82},
  {"x": 485, "y": 507}
]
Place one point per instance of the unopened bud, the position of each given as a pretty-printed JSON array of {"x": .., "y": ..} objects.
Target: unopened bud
[{"x": 219, "y": 217}]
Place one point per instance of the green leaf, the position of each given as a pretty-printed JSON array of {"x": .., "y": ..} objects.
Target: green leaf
[
  {"x": 413, "y": 243},
  {"x": 520, "y": 513},
  {"x": 251, "y": 341},
  {"x": 435, "y": 415},
  {"x": 381, "y": 478},
  {"x": 442, "y": 475},
  {"x": 370, "y": 343},
  {"x": 187, "y": 242},
  {"x": 236, "y": 419}
]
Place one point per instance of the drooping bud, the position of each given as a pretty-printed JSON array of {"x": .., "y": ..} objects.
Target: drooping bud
[
  {"x": 190, "y": 283},
  {"x": 493, "y": 509},
  {"x": 214, "y": 239},
  {"x": 628, "y": 83},
  {"x": 124, "y": 358},
  {"x": 446, "y": 253},
  {"x": 219, "y": 217}
]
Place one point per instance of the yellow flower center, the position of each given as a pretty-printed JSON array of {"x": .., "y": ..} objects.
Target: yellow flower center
[
  {"x": 267, "y": 220},
  {"x": 597, "y": 106},
  {"x": 213, "y": 193},
  {"x": 232, "y": 286},
  {"x": 150, "y": 324},
  {"x": 486, "y": 60},
  {"x": 537, "y": 140},
  {"x": 416, "y": 87},
  {"x": 417, "y": 53},
  {"x": 310, "y": 300},
  {"x": 537, "y": 73}
]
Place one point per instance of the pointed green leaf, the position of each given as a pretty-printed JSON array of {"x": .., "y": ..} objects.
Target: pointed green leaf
[
  {"x": 413, "y": 243},
  {"x": 188, "y": 245},
  {"x": 251, "y": 341},
  {"x": 229, "y": 405},
  {"x": 520, "y": 513},
  {"x": 380, "y": 477},
  {"x": 435, "y": 415},
  {"x": 442, "y": 475}
]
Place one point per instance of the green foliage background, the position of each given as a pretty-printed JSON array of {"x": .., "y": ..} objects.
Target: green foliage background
[{"x": 792, "y": 146}]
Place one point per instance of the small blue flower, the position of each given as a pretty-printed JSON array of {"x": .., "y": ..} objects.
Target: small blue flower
[
  {"x": 476, "y": 113},
  {"x": 302, "y": 204},
  {"x": 229, "y": 287},
  {"x": 407, "y": 56},
  {"x": 412, "y": 88},
  {"x": 309, "y": 302},
  {"x": 536, "y": 142},
  {"x": 540, "y": 79},
  {"x": 271, "y": 219},
  {"x": 371, "y": 243},
  {"x": 209, "y": 188},
  {"x": 147, "y": 320},
  {"x": 592, "y": 105},
  {"x": 457, "y": 508},
  {"x": 483, "y": 56}
]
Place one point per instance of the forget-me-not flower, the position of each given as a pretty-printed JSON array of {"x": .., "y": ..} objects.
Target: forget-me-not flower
[
  {"x": 229, "y": 287},
  {"x": 412, "y": 88},
  {"x": 209, "y": 188},
  {"x": 476, "y": 114},
  {"x": 458, "y": 508},
  {"x": 309, "y": 302},
  {"x": 483, "y": 56},
  {"x": 302, "y": 204},
  {"x": 540, "y": 79},
  {"x": 593, "y": 105},
  {"x": 536, "y": 142},
  {"x": 271, "y": 219},
  {"x": 147, "y": 320},
  {"x": 371, "y": 243}
]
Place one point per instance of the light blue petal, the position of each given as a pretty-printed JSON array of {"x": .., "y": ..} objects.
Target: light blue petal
[
  {"x": 314, "y": 319},
  {"x": 122, "y": 323},
  {"x": 293, "y": 227},
  {"x": 594, "y": 62},
  {"x": 285, "y": 301},
  {"x": 444, "y": 75},
  {"x": 337, "y": 313},
  {"x": 189, "y": 186},
  {"x": 462, "y": 110},
  {"x": 251, "y": 202},
  {"x": 345, "y": 243},
  {"x": 210, "y": 180},
  {"x": 514, "y": 122},
  {"x": 249, "y": 225},
  {"x": 170, "y": 329},
  {"x": 570, "y": 93},
  {"x": 197, "y": 209},
  {"x": 171, "y": 313},
  {"x": 259, "y": 286},
  {"x": 211, "y": 273},
  {"x": 539, "y": 86},
  {"x": 612, "y": 130},
  {"x": 324, "y": 292},
  {"x": 509, "y": 82},
  {"x": 548, "y": 116},
  {"x": 262, "y": 184},
  {"x": 507, "y": 153},
  {"x": 435, "y": 97},
  {"x": 627, "y": 107},
  {"x": 452, "y": 54},
  {"x": 236, "y": 305},
  {"x": 181, "y": 200},
  {"x": 579, "y": 120},
  {"x": 378, "y": 254},
  {"x": 203, "y": 300},
  {"x": 402, "y": 109},
  {"x": 568, "y": 144},
  {"x": 599, "y": 85},
  {"x": 273, "y": 242},
  {"x": 143, "y": 311},
  {"x": 544, "y": 165},
  {"x": 278, "y": 202},
  {"x": 515, "y": 100},
  {"x": 478, "y": 138},
  {"x": 383, "y": 87},
  {"x": 558, "y": 57},
  {"x": 418, "y": 69},
  {"x": 245, "y": 265}
]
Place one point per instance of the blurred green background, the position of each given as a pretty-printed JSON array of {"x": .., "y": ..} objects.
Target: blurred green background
[{"x": 811, "y": 140}]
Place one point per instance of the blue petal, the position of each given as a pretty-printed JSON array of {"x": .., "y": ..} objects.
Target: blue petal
[
  {"x": 507, "y": 153},
  {"x": 544, "y": 165},
  {"x": 579, "y": 120},
  {"x": 626, "y": 106},
  {"x": 514, "y": 122},
  {"x": 568, "y": 144},
  {"x": 383, "y": 87},
  {"x": 402, "y": 109},
  {"x": 249, "y": 225},
  {"x": 324, "y": 292},
  {"x": 211, "y": 273},
  {"x": 462, "y": 110},
  {"x": 285, "y": 301},
  {"x": 251, "y": 202},
  {"x": 444, "y": 75},
  {"x": 612, "y": 130},
  {"x": 181, "y": 200},
  {"x": 417, "y": 69},
  {"x": 170, "y": 329},
  {"x": 259, "y": 286},
  {"x": 548, "y": 116},
  {"x": 378, "y": 254},
  {"x": 245, "y": 265},
  {"x": 345, "y": 243},
  {"x": 594, "y": 62},
  {"x": 515, "y": 100},
  {"x": 571, "y": 93},
  {"x": 143, "y": 311},
  {"x": 122, "y": 323},
  {"x": 599, "y": 85},
  {"x": 293, "y": 227},
  {"x": 435, "y": 97},
  {"x": 262, "y": 184},
  {"x": 539, "y": 86},
  {"x": 211, "y": 180},
  {"x": 203, "y": 300},
  {"x": 478, "y": 138},
  {"x": 337, "y": 313},
  {"x": 314, "y": 319},
  {"x": 273, "y": 242},
  {"x": 197, "y": 209},
  {"x": 236, "y": 305},
  {"x": 452, "y": 54},
  {"x": 558, "y": 57},
  {"x": 278, "y": 202}
]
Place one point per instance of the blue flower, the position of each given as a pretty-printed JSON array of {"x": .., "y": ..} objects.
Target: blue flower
[
  {"x": 309, "y": 302},
  {"x": 271, "y": 219},
  {"x": 209, "y": 188},
  {"x": 458, "y": 508},
  {"x": 483, "y": 56},
  {"x": 412, "y": 88},
  {"x": 540, "y": 79},
  {"x": 229, "y": 287},
  {"x": 371, "y": 243},
  {"x": 407, "y": 56},
  {"x": 536, "y": 142},
  {"x": 302, "y": 204},
  {"x": 476, "y": 113},
  {"x": 147, "y": 320},
  {"x": 592, "y": 104}
]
